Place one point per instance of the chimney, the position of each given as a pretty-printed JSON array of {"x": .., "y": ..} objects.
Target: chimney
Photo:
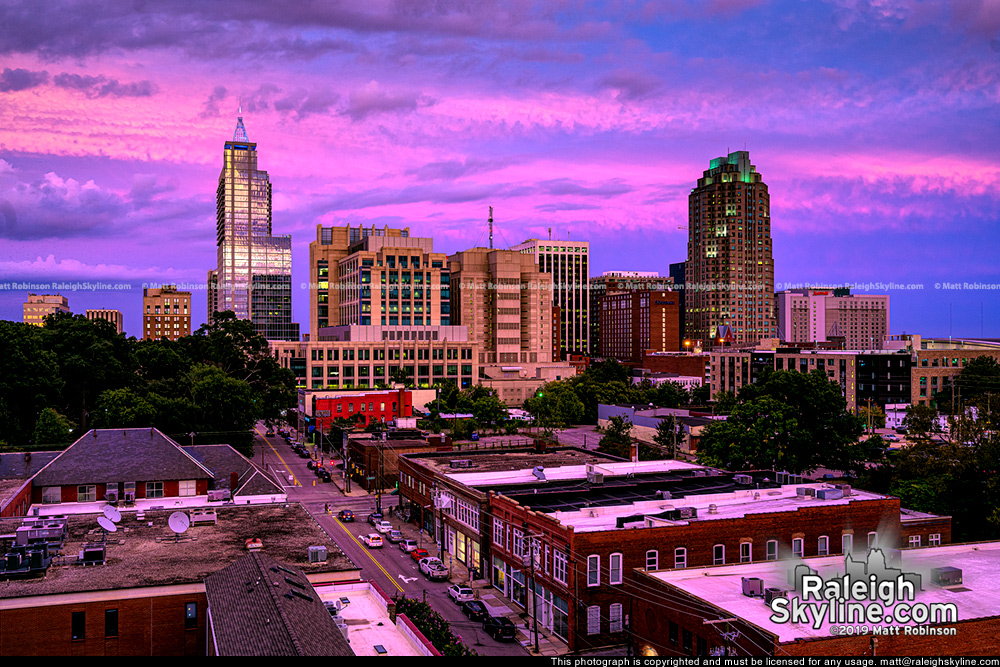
[
  {"x": 634, "y": 452},
  {"x": 234, "y": 480}
]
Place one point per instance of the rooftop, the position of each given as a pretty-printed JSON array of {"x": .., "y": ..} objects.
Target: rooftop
[
  {"x": 143, "y": 553},
  {"x": 722, "y": 586},
  {"x": 729, "y": 505},
  {"x": 487, "y": 460},
  {"x": 368, "y": 623},
  {"x": 574, "y": 471}
]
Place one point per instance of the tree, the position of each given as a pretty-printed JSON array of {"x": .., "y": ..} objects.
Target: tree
[
  {"x": 53, "y": 430},
  {"x": 920, "y": 422},
  {"x": 668, "y": 435},
  {"x": 617, "y": 438},
  {"x": 725, "y": 402},
  {"x": 788, "y": 420},
  {"x": 873, "y": 415},
  {"x": 976, "y": 384},
  {"x": 123, "y": 408},
  {"x": 555, "y": 405},
  {"x": 669, "y": 395},
  {"x": 29, "y": 381}
]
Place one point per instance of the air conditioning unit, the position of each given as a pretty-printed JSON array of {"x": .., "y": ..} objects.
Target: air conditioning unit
[
  {"x": 461, "y": 463},
  {"x": 317, "y": 554},
  {"x": 753, "y": 587},
  {"x": 846, "y": 488},
  {"x": 111, "y": 497},
  {"x": 743, "y": 479},
  {"x": 783, "y": 477},
  {"x": 829, "y": 494},
  {"x": 687, "y": 512},
  {"x": 594, "y": 477},
  {"x": 946, "y": 576},
  {"x": 130, "y": 497},
  {"x": 774, "y": 593},
  {"x": 805, "y": 491}
]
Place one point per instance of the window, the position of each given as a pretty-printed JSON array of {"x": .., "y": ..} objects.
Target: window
[
  {"x": 674, "y": 629},
  {"x": 86, "y": 493},
  {"x": 51, "y": 494},
  {"x": 593, "y": 620},
  {"x": 652, "y": 559},
  {"x": 615, "y": 618},
  {"x": 797, "y": 547},
  {"x": 191, "y": 616},
  {"x": 934, "y": 539},
  {"x": 518, "y": 542},
  {"x": 914, "y": 541},
  {"x": 746, "y": 552},
  {"x": 79, "y": 624},
  {"x": 498, "y": 532},
  {"x": 110, "y": 622},
  {"x": 559, "y": 566},
  {"x": 823, "y": 546},
  {"x": 593, "y": 570},
  {"x": 772, "y": 550},
  {"x": 680, "y": 557},
  {"x": 187, "y": 487},
  {"x": 686, "y": 634},
  {"x": 719, "y": 554},
  {"x": 154, "y": 489},
  {"x": 872, "y": 540},
  {"x": 847, "y": 544},
  {"x": 615, "y": 569}
]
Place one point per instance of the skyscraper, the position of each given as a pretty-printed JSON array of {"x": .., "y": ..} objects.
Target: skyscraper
[
  {"x": 253, "y": 277},
  {"x": 730, "y": 268}
]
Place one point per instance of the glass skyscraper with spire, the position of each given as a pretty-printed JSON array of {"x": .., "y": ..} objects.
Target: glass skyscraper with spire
[{"x": 253, "y": 277}]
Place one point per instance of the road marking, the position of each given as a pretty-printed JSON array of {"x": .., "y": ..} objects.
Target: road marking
[
  {"x": 277, "y": 454},
  {"x": 368, "y": 553},
  {"x": 406, "y": 580}
]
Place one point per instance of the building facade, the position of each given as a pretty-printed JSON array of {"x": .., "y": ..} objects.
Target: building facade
[
  {"x": 166, "y": 313},
  {"x": 37, "y": 306},
  {"x": 611, "y": 282},
  {"x": 253, "y": 274},
  {"x": 568, "y": 262},
  {"x": 730, "y": 267},
  {"x": 636, "y": 322},
  {"x": 820, "y": 314},
  {"x": 115, "y": 317}
]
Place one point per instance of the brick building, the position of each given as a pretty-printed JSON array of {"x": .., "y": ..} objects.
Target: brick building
[
  {"x": 682, "y": 363},
  {"x": 671, "y": 608},
  {"x": 635, "y": 322},
  {"x": 166, "y": 313},
  {"x": 38, "y": 306},
  {"x": 374, "y": 406},
  {"x": 819, "y": 314},
  {"x": 111, "y": 315}
]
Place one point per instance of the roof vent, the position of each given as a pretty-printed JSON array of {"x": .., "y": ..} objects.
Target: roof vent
[
  {"x": 539, "y": 472},
  {"x": 713, "y": 509}
]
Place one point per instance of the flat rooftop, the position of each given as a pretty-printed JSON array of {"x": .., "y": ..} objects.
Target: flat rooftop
[
  {"x": 575, "y": 471},
  {"x": 721, "y": 586},
  {"x": 368, "y": 623},
  {"x": 143, "y": 553},
  {"x": 491, "y": 460},
  {"x": 729, "y": 505}
]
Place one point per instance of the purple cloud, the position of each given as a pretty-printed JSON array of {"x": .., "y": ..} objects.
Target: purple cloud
[
  {"x": 13, "y": 80},
  {"x": 101, "y": 86},
  {"x": 371, "y": 99}
]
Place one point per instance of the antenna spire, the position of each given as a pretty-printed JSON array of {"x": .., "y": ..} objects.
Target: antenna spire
[{"x": 491, "y": 228}]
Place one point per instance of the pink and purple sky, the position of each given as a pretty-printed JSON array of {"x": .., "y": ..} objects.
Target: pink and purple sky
[{"x": 874, "y": 123}]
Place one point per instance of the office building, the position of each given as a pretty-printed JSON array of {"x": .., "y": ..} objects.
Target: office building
[
  {"x": 730, "y": 269},
  {"x": 115, "y": 317},
  {"x": 568, "y": 262},
  {"x": 166, "y": 313},
  {"x": 611, "y": 282},
  {"x": 808, "y": 315},
  {"x": 253, "y": 274},
  {"x": 37, "y": 306},
  {"x": 677, "y": 275},
  {"x": 636, "y": 322}
]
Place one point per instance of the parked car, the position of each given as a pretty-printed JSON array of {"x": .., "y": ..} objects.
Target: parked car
[
  {"x": 499, "y": 627},
  {"x": 475, "y": 610},
  {"x": 408, "y": 545},
  {"x": 383, "y": 527},
  {"x": 395, "y": 536},
  {"x": 324, "y": 474},
  {"x": 901, "y": 431},
  {"x": 437, "y": 572},
  {"x": 460, "y": 593},
  {"x": 428, "y": 562},
  {"x": 345, "y": 515},
  {"x": 311, "y": 465},
  {"x": 475, "y": 436},
  {"x": 419, "y": 554},
  {"x": 372, "y": 540},
  {"x": 374, "y": 518},
  {"x": 270, "y": 433}
]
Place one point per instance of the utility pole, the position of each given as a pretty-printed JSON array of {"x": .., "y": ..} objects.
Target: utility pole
[{"x": 533, "y": 550}]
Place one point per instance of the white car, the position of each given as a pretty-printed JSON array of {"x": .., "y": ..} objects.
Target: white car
[
  {"x": 460, "y": 594},
  {"x": 372, "y": 540},
  {"x": 427, "y": 563},
  {"x": 383, "y": 526}
]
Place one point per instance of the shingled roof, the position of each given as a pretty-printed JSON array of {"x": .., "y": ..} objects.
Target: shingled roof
[
  {"x": 223, "y": 460},
  {"x": 121, "y": 455},
  {"x": 259, "y": 607}
]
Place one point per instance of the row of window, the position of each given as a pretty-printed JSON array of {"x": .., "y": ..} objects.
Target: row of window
[
  {"x": 87, "y": 493},
  {"x": 78, "y": 624}
]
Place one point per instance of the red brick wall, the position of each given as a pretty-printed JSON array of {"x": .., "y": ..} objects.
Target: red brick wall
[
  {"x": 972, "y": 637},
  {"x": 691, "y": 365},
  {"x": 19, "y": 503},
  {"x": 146, "y": 626},
  {"x": 925, "y": 528}
]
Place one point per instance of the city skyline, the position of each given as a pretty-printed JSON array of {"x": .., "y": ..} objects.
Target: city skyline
[{"x": 594, "y": 121}]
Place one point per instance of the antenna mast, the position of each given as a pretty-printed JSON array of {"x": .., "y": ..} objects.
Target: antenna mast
[{"x": 491, "y": 228}]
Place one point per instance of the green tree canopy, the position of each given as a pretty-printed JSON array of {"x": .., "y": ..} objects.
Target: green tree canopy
[{"x": 53, "y": 431}]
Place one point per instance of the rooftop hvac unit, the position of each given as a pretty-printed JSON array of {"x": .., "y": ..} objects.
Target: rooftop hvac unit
[
  {"x": 829, "y": 494},
  {"x": 940, "y": 576},
  {"x": 805, "y": 491},
  {"x": 774, "y": 593},
  {"x": 700, "y": 473},
  {"x": 753, "y": 587},
  {"x": 130, "y": 497},
  {"x": 782, "y": 477},
  {"x": 92, "y": 554},
  {"x": 317, "y": 554},
  {"x": 664, "y": 495},
  {"x": 111, "y": 497},
  {"x": 594, "y": 477},
  {"x": 539, "y": 472},
  {"x": 687, "y": 512},
  {"x": 742, "y": 479},
  {"x": 461, "y": 463},
  {"x": 12, "y": 561},
  {"x": 846, "y": 488},
  {"x": 218, "y": 495},
  {"x": 714, "y": 473}
]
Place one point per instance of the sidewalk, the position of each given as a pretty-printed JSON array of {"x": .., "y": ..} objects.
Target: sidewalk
[{"x": 548, "y": 643}]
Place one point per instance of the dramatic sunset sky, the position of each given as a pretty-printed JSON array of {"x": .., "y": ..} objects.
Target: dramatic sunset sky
[{"x": 874, "y": 123}]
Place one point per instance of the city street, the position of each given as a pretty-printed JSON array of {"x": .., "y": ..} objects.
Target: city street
[{"x": 392, "y": 569}]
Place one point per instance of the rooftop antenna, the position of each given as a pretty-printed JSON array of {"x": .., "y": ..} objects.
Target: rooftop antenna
[
  {"x": 178, "y": 522},
  {"x": 112, "y": 513},
  {"x": 491, "y": 228},
  {"x": 550, "y": 233},
  {"x": 107, "y": 525}
]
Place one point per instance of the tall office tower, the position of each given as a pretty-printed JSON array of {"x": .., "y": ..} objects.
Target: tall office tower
[
  {"x": 166, "y": 313},
  {"x": 110, "y": 315},
  {"x": 677, "y": 276},
  {"x": 253, "y": 277},
  {"x": 37, "y": 306},
  {"x": 612, "y": 282},
  {"x": 568, "y": 262},
  {"x": 821, "y": 314},
  {"x": 730, "y": 269},
  {"x": 506, "y": 304},
  {"x": 332, "y": 245}
]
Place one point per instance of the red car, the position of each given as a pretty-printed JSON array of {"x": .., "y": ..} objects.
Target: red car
[{"x": 417, "y": 554}]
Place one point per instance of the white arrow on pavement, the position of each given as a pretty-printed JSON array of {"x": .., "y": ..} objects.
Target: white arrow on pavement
[{"x": 406, "y": 580}]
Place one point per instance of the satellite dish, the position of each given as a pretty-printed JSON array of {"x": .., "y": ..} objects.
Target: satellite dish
[
  {"x": 112, "y": 513},
  {"x": 179, "y": 522},
  {"x": 107, "y": 524}
]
